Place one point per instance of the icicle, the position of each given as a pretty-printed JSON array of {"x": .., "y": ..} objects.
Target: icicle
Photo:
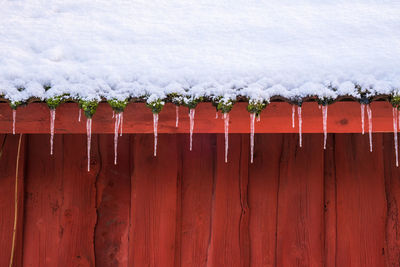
[
  {"x": 293, "y": 113},
  {"x": 324, "y": 122},
  {"x": 362, "y": 117},
  {"x": 113, "y": 116},
  {"x": 226, "y": 129},
  {"x": 216, "y": 115},
  {"x": 398, "y": 124},
  {"x": 191, "y": 117},
  {"x": 300, "y": 124},
  {"x": 155, "y": 126},
  {"x": 259, "y": 118},
  {"x": 395, "y": 125},
  {"x": 116, "y": 128},
  {"x": 252, "y": 119},
  {"x": 369, "y": 112},
  {"x": 14, "y": 115},
  {"x": 121, "y": 122},
  {"x": 319, "y": 106},
  {"x": 80, "y": 115},
  {"x": 176, "y": 116},
  {"x": 52, "y": 119},
  {"x": 89, "y": 140}
]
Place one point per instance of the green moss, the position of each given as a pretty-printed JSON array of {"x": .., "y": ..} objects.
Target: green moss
[
  {"x": 395, "y": 101},
  {"x": 54, "y": 102},
  {"x": 156, "y": 106},
  {"x": 256, "y": 107},
  {"x": 118, "y": 105},
  {"x": 192, "y": 102},
  {"x": 325, "y": 101},
  {"x": 15, "y": 104},
  {"x": 225, "y": 106},
  {"x": 365, "y": 97},
  {"x": 175, "y": 98},
  {"x": 89, "y": 107}
]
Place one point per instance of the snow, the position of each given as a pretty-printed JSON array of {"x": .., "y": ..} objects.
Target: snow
[{"x": 259, "y": 49}]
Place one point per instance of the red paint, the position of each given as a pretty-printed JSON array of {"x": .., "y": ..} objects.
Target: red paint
[
  {"x": 343, "y": 117},
  {"x": 291, "y": 207}
]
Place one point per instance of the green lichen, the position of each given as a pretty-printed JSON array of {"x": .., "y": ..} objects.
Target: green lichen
[
  {"x": 156, "y": 106},
  {"x": 118, "y": 105},
  {"x": 256, "y": 106},
  {"x": 54, "y": 102},
  {"x": 89, "y": 107}
]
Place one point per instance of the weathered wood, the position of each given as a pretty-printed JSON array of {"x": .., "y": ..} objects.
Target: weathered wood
[
  {"x": 8, "y": 161},
  {"x": 292, "y": 207},
  {"x": 78, "y": 210},
  {"x": 361, "y": 201},
  {"x": 153, "y": 202},
  {"x": 263, "y": 198},
  {"x": 113, "y": 203},
  {"x": 224, "y": 249},
  {"x": 244, "y": 231},
  {"x": 197, "y": 195},
  {"x": 330, "y": 202},
  {"x": 344, "y": 117},
  {"x": 300, "y": 203},
  {"x": 392, "y": 186},
  {"x": 43, "y": 201}
]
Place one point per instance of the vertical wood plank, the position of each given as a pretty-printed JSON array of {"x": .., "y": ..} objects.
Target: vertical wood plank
[
  {"x": 8, "y": 161},
  {"x": 197, "y": 194},
  {"x": 43, "y": 201},
  {"x": 78, "y": 212},
  {"x": 225, "y": 248},
  {"x": 300, "y": 202},
  {"x": 330, "y": 202},
  {"x": 153, "y": 202},
  {"x": 263, "y": 198},
  {"x": 361, "y": 201},
  {"x": 392, "y": 186},
  {"x": 113, "y": 203},
  {"x": 244, "y": 232}
]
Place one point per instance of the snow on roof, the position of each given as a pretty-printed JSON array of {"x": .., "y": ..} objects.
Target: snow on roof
[{"x": 257, "y": 49}]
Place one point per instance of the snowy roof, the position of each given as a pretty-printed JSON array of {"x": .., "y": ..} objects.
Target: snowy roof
[{"x": 148, "y": 49}]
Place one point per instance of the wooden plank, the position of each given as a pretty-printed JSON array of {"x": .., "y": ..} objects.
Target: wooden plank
[
  {"x": 361, "y": 201},
  {"x": 113, "y": 203},
  {"x": 197, "y": 194},
  {"x": 225, "y": 247},
  {"x": 330, "y": 202},
  {"x": 43, "y": 201},
  {"x": 153, "y": 202},
  {"x": 263, "y": 198},
  {"x": 8, "y": 159},
  {"x": 392, "y": 186},
  {"x": 344, "y": 117},
  {"x": 300, "y": 203},
  {"x": 78, "y": 211}
]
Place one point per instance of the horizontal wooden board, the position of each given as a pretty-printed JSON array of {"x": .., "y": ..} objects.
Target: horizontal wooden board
[{"x": 343, "y": 117}]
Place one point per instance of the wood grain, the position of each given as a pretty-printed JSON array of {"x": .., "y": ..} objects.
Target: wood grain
[{"x": 343, "y": 117}]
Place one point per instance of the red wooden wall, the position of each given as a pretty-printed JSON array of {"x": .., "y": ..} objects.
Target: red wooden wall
[{"x": 292, "y": 207}]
